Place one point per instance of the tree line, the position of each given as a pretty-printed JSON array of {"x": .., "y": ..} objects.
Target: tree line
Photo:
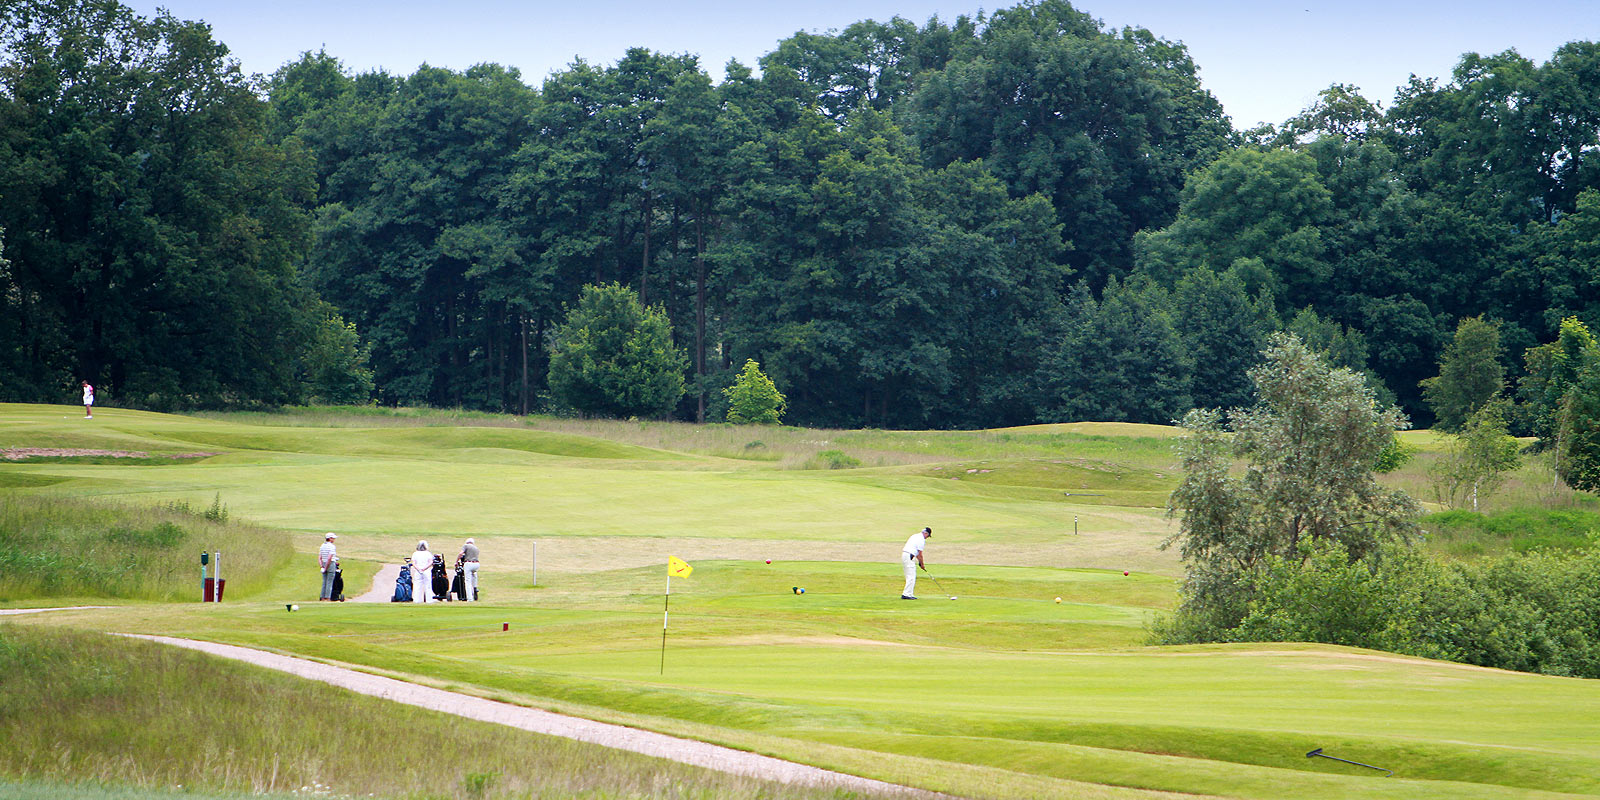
[{"x": 1011, "y": 217}]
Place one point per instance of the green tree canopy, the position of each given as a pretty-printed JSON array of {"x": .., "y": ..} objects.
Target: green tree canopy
[
  {"x": 753, "y": 398},
  {"x": 1253, "y": 212},
  {"x": 1578, "y": 462},
  {"x": 613, "y": 356},
  {"x": 1470, "y": 374},
  {"x": 1552, "y": 370},
  {"x": 154, "y": 229},
  {"x": 1119, "y": 359},
  {"x": 1308, "y": 446}
]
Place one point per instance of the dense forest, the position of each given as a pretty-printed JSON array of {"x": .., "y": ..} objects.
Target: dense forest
[{"x": 1008, "y": 218}]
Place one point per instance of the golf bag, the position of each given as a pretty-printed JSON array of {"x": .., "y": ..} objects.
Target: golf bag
[
  {"x": 458, "y": 586},
  {"x": 402, "y": 586},
  {"x": 338, "y": 585},
  {"x": 441, "y": 582}
]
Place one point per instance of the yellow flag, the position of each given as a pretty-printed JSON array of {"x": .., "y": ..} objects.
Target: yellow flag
[{"x": 678, "y": 568}]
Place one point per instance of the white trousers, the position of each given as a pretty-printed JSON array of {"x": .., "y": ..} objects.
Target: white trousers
[
  {"x": 472, "y": 580},
  {"x": 910, "y": 563},
  {"x": 422, "y": 584}
]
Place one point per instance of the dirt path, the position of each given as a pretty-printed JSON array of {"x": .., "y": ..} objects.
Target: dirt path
[
  {"x": 382, "y": 590},
  {"x": 687, "y": 751}
]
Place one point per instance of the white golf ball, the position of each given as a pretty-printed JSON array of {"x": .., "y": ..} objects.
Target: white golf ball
[
  {"x": 1058, "y": 600},
  {"x": 295, "y": 607},
  {"x": 952, "y": 597}
]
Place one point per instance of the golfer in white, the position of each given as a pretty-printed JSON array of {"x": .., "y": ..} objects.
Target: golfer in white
[
  {"x": 469, "y": 564},
  {"x": 422, "y": 574},
  {"x": 911, "y": 560}
]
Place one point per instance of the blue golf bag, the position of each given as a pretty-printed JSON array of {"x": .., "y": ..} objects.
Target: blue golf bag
[{"x": 402, "y": 586}]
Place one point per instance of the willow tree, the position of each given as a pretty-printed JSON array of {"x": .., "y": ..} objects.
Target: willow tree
[{"x": 1307, "y": 447}]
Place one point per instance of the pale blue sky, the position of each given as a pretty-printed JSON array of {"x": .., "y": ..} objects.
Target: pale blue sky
[{"x": 1264, "y": 60}]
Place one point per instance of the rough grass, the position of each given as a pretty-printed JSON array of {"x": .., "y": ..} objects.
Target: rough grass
[
  {"x": 1465, "y": 535},
  {"x": 77, "y": 708},
  {"x": 64, "y": 547}
]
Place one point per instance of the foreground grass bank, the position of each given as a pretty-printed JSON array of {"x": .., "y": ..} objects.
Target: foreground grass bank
[{"x": 130, "y": 719}]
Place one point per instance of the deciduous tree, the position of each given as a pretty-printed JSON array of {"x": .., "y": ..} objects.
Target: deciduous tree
[
  {"x": 1470, "y": 374},
  {"x": 1308, "y": 446},
  {"x": 1476, "y": 460},
  {"x": 753, "y": 398},
  {"x": 613, "y": 356}
]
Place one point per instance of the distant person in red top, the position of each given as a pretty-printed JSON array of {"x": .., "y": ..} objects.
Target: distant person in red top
[{"x": 88, "y": 401}]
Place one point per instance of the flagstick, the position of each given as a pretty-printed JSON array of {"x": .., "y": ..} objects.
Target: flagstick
[{"x": 665, "y": 601}]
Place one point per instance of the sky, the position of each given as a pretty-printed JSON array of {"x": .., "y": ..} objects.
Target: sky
[{"x": 1264, "y": 60}]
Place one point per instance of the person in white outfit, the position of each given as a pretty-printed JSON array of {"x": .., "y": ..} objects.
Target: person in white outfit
[
  {"x": 469, "y": 563},
  {"x": 422, "y": 574},
  {"x": 911, "y": 560},
  {"x": 88, "y": 401}
]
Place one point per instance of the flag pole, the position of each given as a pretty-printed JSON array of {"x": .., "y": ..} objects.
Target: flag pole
[{"x": 666, "y": 600}]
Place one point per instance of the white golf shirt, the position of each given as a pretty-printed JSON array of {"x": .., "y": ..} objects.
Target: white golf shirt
[{"x": 913, "y": 545}]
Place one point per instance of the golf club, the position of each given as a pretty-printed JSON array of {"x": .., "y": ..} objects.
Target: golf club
[
  {"x": 1318, "y": 753},
  {"x": 938, "y": 584}
]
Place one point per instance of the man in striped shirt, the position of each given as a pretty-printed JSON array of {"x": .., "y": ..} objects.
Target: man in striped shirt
[{"x": 328, "y": 557}]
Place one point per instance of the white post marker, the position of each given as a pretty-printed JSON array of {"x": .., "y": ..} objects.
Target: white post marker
[
  {"x": 535, "y": 563},
  {"x": 216, "y": 575},
  {"x": 681, "y": 568}
]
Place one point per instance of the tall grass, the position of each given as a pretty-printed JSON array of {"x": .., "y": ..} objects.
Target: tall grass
[
  {"x": 81, "y": 708},
  {"x": 53, "y": 546},
  {"x": 1464, "y": 534}
]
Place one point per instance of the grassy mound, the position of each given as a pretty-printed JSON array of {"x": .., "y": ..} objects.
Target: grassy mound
[
  {"x": 62, "y": 547},
  {"x": 117, "y": 719}
]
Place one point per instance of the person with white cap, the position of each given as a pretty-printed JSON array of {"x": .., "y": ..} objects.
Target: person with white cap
[
  {"x": 422, "y": 573},
  {"x": 911, "y": 559},
  {"x": 469, "y": 564},
  {"x": 328, "y": 558}
]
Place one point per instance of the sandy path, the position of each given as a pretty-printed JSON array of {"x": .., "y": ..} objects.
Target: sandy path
[
  {"x": 687, "y": 751},
  {"x": 382, "y": 590}
]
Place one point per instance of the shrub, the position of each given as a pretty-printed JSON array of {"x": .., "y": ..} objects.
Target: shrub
[
  {"x": 837, "y": 459},
  {"x": 753, "y": 398},
  {"x": 1532, "y": 612},
  {"x": 614, "y": 357}
]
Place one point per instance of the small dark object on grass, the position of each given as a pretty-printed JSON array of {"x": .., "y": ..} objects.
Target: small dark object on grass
[{"x": 1318, "y": 753}]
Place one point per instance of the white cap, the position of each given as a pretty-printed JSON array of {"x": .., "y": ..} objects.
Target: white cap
[
  {"x": 469, "y": 540},
  {"x": 331, "y": 536}
]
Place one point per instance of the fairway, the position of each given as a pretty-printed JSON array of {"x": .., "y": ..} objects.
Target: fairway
[{"x": 1002, "y": 692}]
